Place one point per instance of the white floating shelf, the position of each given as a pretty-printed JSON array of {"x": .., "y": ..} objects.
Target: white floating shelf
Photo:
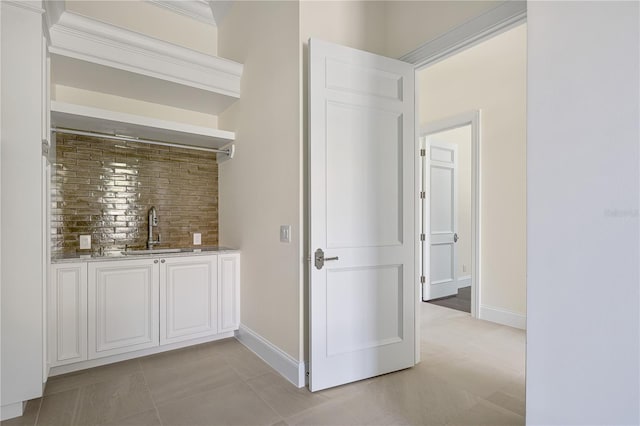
[
  {"x": 80, "y": 117},
  {"x": 92, "y": 55}
]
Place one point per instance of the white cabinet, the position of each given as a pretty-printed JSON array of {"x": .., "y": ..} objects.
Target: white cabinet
[
  {"x": 228, "y": 292},
  {"x": 123, "y": 306},
  {"x": 98, "y": 309},
  {"x": 67, "y": 312},
  {"x": 188, "y": 298}
]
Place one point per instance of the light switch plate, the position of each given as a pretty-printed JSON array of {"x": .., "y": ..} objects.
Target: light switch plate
[
  {"x": 197, "y": 238},
  {"x": 285, "y": 233},
  {"x": 85, "y": 242}
]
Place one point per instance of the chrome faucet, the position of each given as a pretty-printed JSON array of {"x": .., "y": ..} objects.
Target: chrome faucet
[{"x": 153, "y": 221}]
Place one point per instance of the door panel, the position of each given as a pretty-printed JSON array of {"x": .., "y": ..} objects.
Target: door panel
[
  {"x": 442, "y": 200},
  {"x": 364, "y": 309},
  {"x": 349, "y": 77},
  {"x": 364, "y": 208},
  {"x": 441, "y": 263},
  {"x": 362, "y": 177}
]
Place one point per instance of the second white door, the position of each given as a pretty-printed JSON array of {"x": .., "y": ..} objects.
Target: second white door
[{"x": 442, "y": 187}]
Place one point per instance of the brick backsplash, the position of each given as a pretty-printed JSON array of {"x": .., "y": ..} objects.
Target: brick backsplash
[{"x": 105, "y": 188}]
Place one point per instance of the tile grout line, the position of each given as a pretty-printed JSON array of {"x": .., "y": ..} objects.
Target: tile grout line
[
  {"x": 282, "y": 416},
  {"x": 153, "y": 401},
  {"x": 246, "y": 382},
  {"x": 35, "y": 423},
  {"x": 328, "y": 400},
  {"x": 170, "y": 401},
  {"x": 76, "y": 406}
]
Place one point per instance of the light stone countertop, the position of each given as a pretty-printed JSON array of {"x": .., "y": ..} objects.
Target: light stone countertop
[{"x": 117, "y": 255}]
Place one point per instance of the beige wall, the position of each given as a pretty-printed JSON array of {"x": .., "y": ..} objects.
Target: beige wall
[
  {"x": 93, "y": 99},
  {"x": 410, "y": 24},
  {"x": 491, "y": 77},
  {"x": 154, "y": 21},
  {"x": 357, "y": 24},
  {"x": 461, "y": 137},
  {"x": 260, "y": 189}
]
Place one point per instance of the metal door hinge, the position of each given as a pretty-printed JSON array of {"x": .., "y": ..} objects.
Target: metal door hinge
[
  {"x": 423, "y": 152},
  {"x": 423, "y": 237},
  {"x": 423, "y": 194},
  {"x": 45, "y": 147},
  {"x": 423, "y": 280}
]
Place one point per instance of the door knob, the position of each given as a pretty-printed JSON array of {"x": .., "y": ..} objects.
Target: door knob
[
  {"x": 320, "y": 259},
  {"x": 455, "y": 237}
]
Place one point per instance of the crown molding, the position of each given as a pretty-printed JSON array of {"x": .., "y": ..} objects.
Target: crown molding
[
  {"x": 30, "y": 5},
  {"x": 194, "y": 9},
  {"x": 54, "y": 10},
  {"x": 496, "y": 20},
  {"x": 89, "y": 40}
]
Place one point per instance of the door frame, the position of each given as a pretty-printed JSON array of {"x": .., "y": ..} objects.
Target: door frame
[
  {"x": 471, "y": 118},
  {"x": 503, "y": 17}
]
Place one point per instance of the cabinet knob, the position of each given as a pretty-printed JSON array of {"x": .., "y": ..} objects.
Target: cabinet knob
[
  {"x": 162, "y": 261},
  {"x": 155, "y": 261}
]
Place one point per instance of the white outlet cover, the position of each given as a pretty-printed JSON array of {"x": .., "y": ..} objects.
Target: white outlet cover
[
  {"x": 197, "y": 238},
  {"x": 85, "y": 242}
]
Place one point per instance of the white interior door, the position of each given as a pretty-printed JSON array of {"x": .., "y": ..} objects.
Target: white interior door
[
  {"x": 362, "y": 212},
  {"x": 442, "y": 201}
]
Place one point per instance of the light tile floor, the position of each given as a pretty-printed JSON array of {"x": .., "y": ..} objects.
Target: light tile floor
[{"x": 472, "y": 373}]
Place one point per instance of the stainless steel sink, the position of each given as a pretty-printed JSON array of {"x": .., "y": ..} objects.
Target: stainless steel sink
[{"x": 155, "y": 251}]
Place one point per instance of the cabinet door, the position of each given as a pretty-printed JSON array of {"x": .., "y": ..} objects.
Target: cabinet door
[
  {"x": 123, "y": 306},
  {"x": 68, "y": 313},
  {"x": 228, "y": 292},
  {"x": 188, "y": 298}
]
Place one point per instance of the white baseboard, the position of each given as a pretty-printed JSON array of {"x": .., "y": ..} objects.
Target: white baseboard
[
  {"x": 68, "y": 368},
  {"x": 10, "y": 411},
  {"x": 291, "y": 369},
  {"x": 464, "y": 281},
  {"x": 503, "y": 317}
]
